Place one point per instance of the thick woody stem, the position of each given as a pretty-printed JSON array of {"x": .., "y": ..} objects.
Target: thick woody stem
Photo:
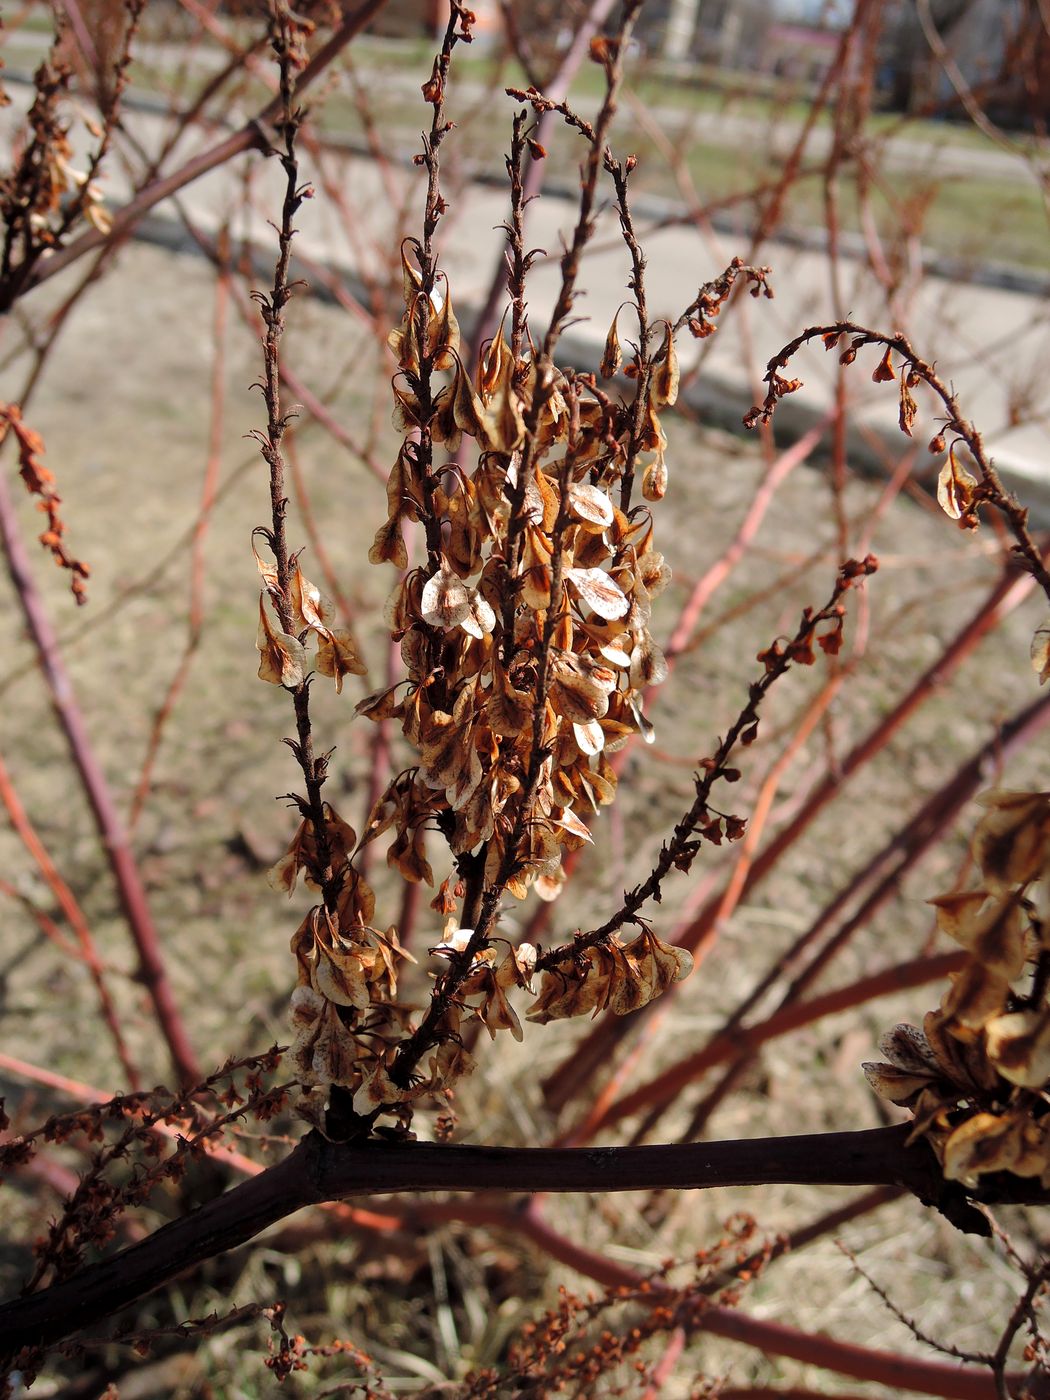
[{"x": 320, "y": 1170}]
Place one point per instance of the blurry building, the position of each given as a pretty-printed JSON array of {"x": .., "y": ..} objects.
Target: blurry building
[
  {"x": 800, "y": 52},
  {"x": 999, "y": 48}
]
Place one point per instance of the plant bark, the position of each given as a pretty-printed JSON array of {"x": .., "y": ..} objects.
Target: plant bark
[{"x": 319, "y": 1170}]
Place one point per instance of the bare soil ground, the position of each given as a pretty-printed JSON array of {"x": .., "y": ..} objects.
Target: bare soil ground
[{"x": 124, "y": 414}]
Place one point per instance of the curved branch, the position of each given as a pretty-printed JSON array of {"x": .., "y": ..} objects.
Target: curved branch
[{"x": 319, "y": 1170}]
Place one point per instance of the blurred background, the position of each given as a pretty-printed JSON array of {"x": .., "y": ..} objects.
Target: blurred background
[{"x": 889, "y": 162}]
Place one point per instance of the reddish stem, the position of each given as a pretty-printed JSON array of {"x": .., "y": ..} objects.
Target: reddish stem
[
  {"x": 774, "y": 1339},
  {"x": 593, "y": 1053},
  {"x": 151, "y": 969},
  {"x": 898, "y": 978},
  {"x": 909, "y": 844},
  {"x": 209, "y": 488},
  {"x": 75, "y": 917}
]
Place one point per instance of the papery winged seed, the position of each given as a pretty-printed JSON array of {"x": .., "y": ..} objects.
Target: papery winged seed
[
  {"x": 549, "y": 887},
  {"x": 612, "y": 357},
  {"x": 599, "y": 676},
  {"x": 282, "y": 659},
  {"x": 590, "y": 504},
  {"x": 908, "y": 408},
  {"x": 955, "y": 488},
  {"x": 508, "y": 711},
  {"x": 666, "y": 374},
  {"x": 646, "y": 730},
  {"x": 341, "y": 980},
  {"x": 896, "y": 1085},
  {"x": 648, "y": 666},
  {"x": 466, "y": 782},
  {"x": 570, "y": 822},
  {"x": 444, "y": 329},
  {"x": 496, "y": 365},
  {"x": 975, "y": 995},
  {"x": 524, "y": 962},
  {"x": 267, "y": 570},
  {"x": 986, "y": 1142},
  {"x": 518, "y": 884},
  {"x": 452, "y": 1061},
  {"x": 380, "y": 705},
  {"x": 1009, "y": 800},
  {"x": 446, "y": 600},
  {"x": 997, "y": 939},
  {"x": 957, "y": 911},
  {"x": 589, "y": 736},
  {"x": 306, "y": 1007},
  {"x": 335, "y": 1056},
  {"x": 563, "y": 993},
  {"x": 578, "y": 700},
  {"x": 416, "y": 654},
  {"x": 411, "y": 279},
  {"x": 378, "y": 1090},
  {"x": 503, "y": 419},
  {"x": 629, "y": 988},
  {"x": 581, "y": 690},
  {"x": 453, "y": 942},
  {"x": 1018, "y": 1044},
  {"x": 654, "y": 572},
  {"x": 407, "y": 410},
  {"x": 388, "y": 547},
  {"x": 532, "y": 505},
  {"x": 961, "y": 1062},
  {"x": 654, "y": 480},
  {"x": 468, "y": 410},
  {"x": 479, "y": 619},
  {"x": 615, "y": 656},
  {"x": 1011, "y": 842},
  {"x": 672, "y": 963},
  {"x": 337, "y": 656},
  {"x": 496, "y": 1012},
  {"x": 907, "y": 1048},
  {"x": 1040, "y": 651},
  {"x": 602, "y": 594}
]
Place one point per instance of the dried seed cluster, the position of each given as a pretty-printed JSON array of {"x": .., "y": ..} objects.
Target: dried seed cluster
[
  {"x": 526, "y": 646},
  {"x": 976, "y": 1077}
]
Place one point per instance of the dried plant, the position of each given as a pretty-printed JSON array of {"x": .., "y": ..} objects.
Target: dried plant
[{"x": 526, "y": 518}]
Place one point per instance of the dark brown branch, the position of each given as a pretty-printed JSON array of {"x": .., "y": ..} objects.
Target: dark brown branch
[
  {"x": 989, "y": 491},
  {"x": 319, "y": 1170},
  {"x": 680, "y": 851}
]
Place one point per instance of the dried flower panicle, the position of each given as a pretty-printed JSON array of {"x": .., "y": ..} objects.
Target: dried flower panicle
[
  {"x": 598, "y": 1345},
  {"x": 976, "y": 1076},
  {"x": 526, "y": 645},
  {"x": 524, "y": 633},
  {"x": 527, "y": 632}
]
